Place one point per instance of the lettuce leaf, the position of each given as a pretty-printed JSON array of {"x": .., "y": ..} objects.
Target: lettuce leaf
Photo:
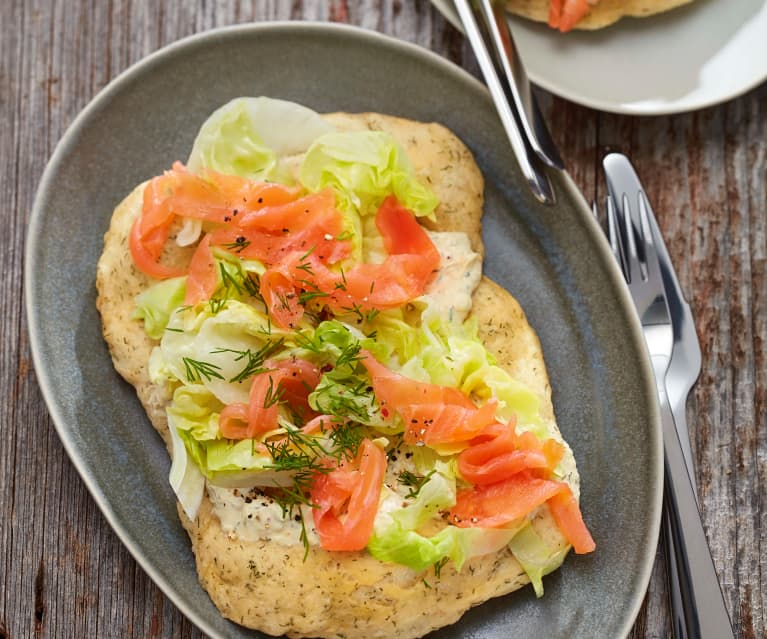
[
  {"x": 536, "y": 557},
  {"x": 222, "y": 340},
  {"x": 363, "y": 168},
  {"x": 185, "y": 477},
  {"x": 395, "y": 538},
  {"x": 250, "y": 137},
  {"x": 450, "y": 354},
  {"x": 156, "y": 304}
]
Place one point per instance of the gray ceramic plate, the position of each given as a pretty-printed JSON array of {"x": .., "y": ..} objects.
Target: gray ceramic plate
[{"x": 554, "y": 261}]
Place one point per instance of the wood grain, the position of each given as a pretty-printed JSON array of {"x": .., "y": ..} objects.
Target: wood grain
[{"x": 64, "y": 573}]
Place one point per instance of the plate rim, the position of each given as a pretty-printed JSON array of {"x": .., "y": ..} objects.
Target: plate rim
[
  {"x": 446, "y": 8},
  {"x": 31, "y": 301}
]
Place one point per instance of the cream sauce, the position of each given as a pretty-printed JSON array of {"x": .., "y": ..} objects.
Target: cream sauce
[
  {"x": 253, "y": 516},
  {"x": 460, "y": 270}
]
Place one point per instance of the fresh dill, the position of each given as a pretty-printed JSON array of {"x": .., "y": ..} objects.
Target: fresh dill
[
  {"x": 298, "y": 452},
  {"x": 306, "y": 267},
  {"x": 307, "y": 343},
  {"x": 289, "y": 502},
  {"x": 439, "y": 565},
  {"x": 349, "y": 356},
  {"x": 283, "y": 299},
  {"x": 360, "y": 313},
  {"x": 347, "y": 400},
  {"x": 346, "y": 438},
  {"x": 174, "y": 330},
  {"x": 228, "y": 280},
  {"x": 308, "y": 296},
  {"x": 413, "y": 482},
  {"x": 216, "y": 305},
  {"x": 307, "y": 254},
  {"x": 305, "y": 457},
  {"x": 239, "y": 245},
  {"x": 273, "y": 395},
  {"x": 254, "y": 363},
  {"x": 196, "y": 370},
  {"x": 251, "y": 282}
]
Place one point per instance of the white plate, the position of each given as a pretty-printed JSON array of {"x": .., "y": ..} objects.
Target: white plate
[{"x": 692, "y": 57}]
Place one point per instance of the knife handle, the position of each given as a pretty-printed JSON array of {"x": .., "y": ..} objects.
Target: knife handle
[{"x": 698, "y": 608}]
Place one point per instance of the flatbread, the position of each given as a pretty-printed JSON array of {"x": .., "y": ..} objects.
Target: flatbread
[
  {"x": 603, "y": 14},
  {"x": 269, "y": 586}
]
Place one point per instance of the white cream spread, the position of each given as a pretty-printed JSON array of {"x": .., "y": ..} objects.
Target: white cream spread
[
  {"x": 253, "y": 516},
  {"x": 460, "y": 270}
]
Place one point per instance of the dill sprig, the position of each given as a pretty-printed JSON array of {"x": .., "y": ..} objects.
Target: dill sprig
[
  {"x": 302, "y": 455},
  {"x": 439, "y": 565},
  {"x": 254, "y": 359},
  {"x": 289, "y": 501},
  {"x": 196, "y": 370},
  {"x": 273, "y": 395},
  {"x": 306, "y": 267},
  {"x": 349, "y": 356},
  {"x": 302, "y": 340},
  {"x": 346, "y": 400},
  {"x": 251, "y": 282},
  {"x": 360, "y": 313},
  {"x": 239, "y": 245},
  {"x": 413, "y": 482},
  {"x": 216, "y": 305},
  {"x": 307, "y": 296},
  {"x": 307, "y": 254},
  {"x": 228, "y": 281},
  {"x": 346, "y": 438},
  {"x": 305, "y": 457}
]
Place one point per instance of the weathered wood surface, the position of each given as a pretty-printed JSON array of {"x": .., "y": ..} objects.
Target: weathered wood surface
[{"x": 64, "y": 573}]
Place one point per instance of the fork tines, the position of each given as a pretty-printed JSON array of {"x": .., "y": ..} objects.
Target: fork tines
[{"x": 634, "y": 245}]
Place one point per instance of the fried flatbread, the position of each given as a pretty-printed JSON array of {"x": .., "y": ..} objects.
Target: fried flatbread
[
  {"x": 603, "y": 14},
  {"x": 269, "y": 586}
]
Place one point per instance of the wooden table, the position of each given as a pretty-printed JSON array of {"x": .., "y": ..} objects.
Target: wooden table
[{"x": 64, "y": 573}]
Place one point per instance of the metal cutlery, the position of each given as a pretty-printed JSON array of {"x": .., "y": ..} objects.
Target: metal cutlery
[
  {"x": 698, "y": 607},
  {"x": 684, "y": 368},
  {"x": 510, "y": 88}
]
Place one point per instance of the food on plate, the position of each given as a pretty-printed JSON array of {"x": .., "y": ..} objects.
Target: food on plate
[
  {"x": 588, "y": 14},
  {"x": 360, "y": 423}
]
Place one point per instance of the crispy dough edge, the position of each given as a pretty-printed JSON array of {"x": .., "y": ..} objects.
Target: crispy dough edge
[
  {"x": 607, "y": 12},
  {"x": 257, "y": 583}
]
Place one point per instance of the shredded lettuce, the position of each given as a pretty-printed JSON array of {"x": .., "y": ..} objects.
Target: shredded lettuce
[
  {"x": 213, "y": 346},
  {"x": 450, "y": 354},
  {"x": 363, "y": 168},
  {"x": 156, "y": 304},
  {"x": 193, "y": 419}
]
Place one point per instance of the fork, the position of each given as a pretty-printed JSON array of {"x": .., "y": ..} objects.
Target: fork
[{"x": 698, "y": 608}]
